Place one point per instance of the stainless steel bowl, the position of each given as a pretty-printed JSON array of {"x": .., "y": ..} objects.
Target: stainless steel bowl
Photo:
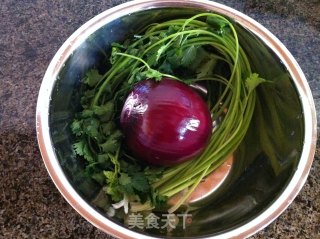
[{"x": 253, "y": 199}]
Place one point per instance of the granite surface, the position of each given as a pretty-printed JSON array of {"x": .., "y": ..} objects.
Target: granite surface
[{"x": 31, "y": 31}]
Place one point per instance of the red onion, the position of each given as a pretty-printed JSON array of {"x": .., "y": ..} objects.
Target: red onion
[{"x": 165, "y": 122}]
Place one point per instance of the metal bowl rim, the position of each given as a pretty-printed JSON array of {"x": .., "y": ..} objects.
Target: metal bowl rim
[{"x": 82, "y": 207}]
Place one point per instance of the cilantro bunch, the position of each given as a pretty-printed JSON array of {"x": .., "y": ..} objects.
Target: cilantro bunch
[{"x": 203, "y": 49}]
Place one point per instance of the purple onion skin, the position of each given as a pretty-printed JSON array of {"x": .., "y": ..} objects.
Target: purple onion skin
[{"x": 165, "y": 123}]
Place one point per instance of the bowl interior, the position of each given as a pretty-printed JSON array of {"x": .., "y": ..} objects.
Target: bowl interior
[{"x": 264, "y": 163}]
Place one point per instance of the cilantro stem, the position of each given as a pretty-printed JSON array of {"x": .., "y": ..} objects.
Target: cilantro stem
[
  {"x": 107, "y": 80},
  {"x": 187, "y": 195},
  {"x": 135, "y": 58}
]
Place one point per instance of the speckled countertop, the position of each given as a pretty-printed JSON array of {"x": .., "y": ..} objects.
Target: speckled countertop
[{"x": 30, "y": 34}]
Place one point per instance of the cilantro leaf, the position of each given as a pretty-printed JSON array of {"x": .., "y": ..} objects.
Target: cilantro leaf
[
  {"x": 166, "y": 67},
  {"x": 151, "y": 59},
  {"x": 153, "y": 74},
  {"x": 140, "y": 182},
  {"x": 111, "y": 145},
  {"x": 91, "y": 127},
  {"x": 126, "y": 185},
  {"x": 253, "y": 81},
  {"x": 160, "y": 51},
  {"x": 78, "y": 148},
  {"x": 113, "y": 186},
  {"x": 153, "y": 174},
  {"x": 206, "y": 69},
  {"x": 104, "y": 109},
  {"x": 93, "y": 77},
  {"x": 174, "y": 57},
  {"x": 81, "y": 148},
  {"x": 124, "y": 179},
  {"x": 87, "y": 113},
  {"x": 152, "y": 55},
  {"x": 76, "y": 127},
  {"x": 158, "y": 200},
  {"x": 217, "y": 24},
  {"x": 103, "y": 159},
  {"x": 107, "y": 128},
  {"x": 114, "y": 191},
  {"x": 86, "y": 98},
  {"x": 114, "y": 57},
  {"x": 110, "y": 176},
  {"x": 189, "y": 56}
]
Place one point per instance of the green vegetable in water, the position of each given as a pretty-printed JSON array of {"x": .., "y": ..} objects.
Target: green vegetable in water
[{"x": 203, "y": 49}]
